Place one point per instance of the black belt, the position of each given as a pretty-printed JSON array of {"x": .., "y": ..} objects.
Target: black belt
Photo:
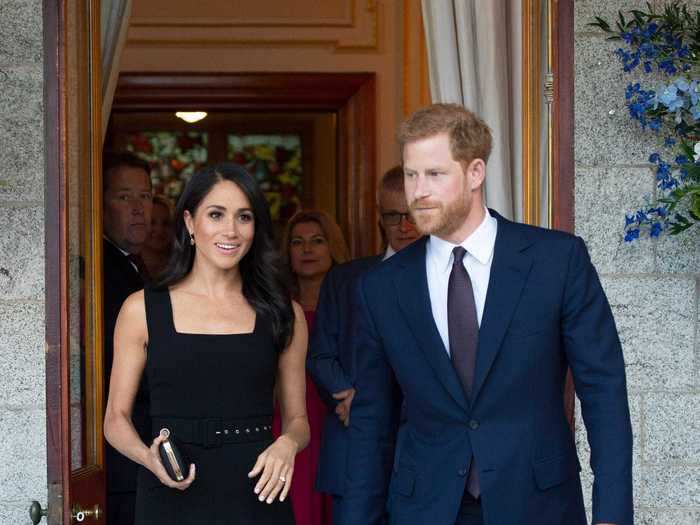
[{"x": 214, "y": 432}]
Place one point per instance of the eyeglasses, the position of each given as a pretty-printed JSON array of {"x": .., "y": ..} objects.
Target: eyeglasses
[{"x": 394, "y": 218}]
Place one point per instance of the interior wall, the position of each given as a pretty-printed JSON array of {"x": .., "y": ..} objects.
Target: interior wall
[{"x": 344, "y": 36}]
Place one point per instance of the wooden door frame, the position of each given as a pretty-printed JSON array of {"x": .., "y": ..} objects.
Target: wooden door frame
[
  {"x": 351, "y": 96},
  {"x": 72, "y": 92},
  {"x": 56, "y": 262}
]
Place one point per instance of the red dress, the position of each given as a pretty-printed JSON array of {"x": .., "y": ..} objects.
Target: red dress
[{"x": 310, "y": 506}]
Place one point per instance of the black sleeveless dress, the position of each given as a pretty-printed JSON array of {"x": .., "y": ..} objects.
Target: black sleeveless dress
[{"x": 214, "y": 393}]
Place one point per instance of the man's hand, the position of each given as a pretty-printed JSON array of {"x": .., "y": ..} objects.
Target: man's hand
[{"x": 343, "y": 409}]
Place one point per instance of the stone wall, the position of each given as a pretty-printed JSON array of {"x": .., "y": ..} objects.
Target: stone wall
[
  {"x": 22, "y": 378},
  {"x": 653, "y": 286}
]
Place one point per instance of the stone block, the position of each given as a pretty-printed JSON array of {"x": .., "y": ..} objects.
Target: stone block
[
  {"x": 22, "y": 91},
  {"x": 667, "y": 517},
  {"x": 670, "y": 486},
  {"x": 679, "y": 253},
  {"x": 672, "y": 428},
  {"x": 655, "y": 318},
  {"x": 21, "y": 135},
  {"x": 17, "y": 512},
  {"x": 21, "y": 26},
  {"x": 22, "y": 354},
  {"x": 22, "y": 253},
  {"x": 586, "y": 10},
  {"x": 23, "y": 449},
  {"x": 603, "y": 138},
  {"x": 603, "y": 196},
  {"x": 22, "y": 159}
]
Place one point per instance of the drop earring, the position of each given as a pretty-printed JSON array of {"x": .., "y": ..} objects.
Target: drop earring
[{"x": 192, "y": 239}]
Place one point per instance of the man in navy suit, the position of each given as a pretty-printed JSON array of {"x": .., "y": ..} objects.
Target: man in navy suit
[
  {"x": 477, "y": 323},
  {"x": 128, "y": 202},
  {"x": 330, "y": 361}
]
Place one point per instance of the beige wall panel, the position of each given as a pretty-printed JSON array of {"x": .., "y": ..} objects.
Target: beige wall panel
[
  {"x": 386, "y": 61},
  {"x": 344, "y": 24},
  {"x": 247, "y": 12}
]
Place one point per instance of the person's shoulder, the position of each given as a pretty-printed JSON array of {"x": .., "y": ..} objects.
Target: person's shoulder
[
  {"x": 542, "y": 238},
  {"x": 134, "y": 305},
  {"x": 346, "y": 272},
  {"x": 381, "y": 273}
]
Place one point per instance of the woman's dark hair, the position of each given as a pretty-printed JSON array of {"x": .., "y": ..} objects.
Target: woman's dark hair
[{"x": 264, "y": 284}]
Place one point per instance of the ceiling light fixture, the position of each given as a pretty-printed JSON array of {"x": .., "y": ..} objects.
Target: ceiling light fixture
[{"x": 191, "y": 116}]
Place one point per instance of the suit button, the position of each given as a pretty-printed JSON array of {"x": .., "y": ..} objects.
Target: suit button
[
  {"x": 462, "y": 472},
  {"x": 473, "y": 424}
]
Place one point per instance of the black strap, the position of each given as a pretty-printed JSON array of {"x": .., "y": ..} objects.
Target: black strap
[{"x": 214, "y": 432}]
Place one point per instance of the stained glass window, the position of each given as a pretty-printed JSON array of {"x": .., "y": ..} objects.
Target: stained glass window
[
  {"x": 275, "y": 162},
  {"x": 173, "y": 157}
]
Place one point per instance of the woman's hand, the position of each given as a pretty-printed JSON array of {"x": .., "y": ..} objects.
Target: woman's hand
[
  {"x": 276, "y": 463},
  {"x": 154, "y": 464}
]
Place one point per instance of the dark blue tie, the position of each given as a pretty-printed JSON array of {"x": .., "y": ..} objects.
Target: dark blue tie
[{"x": 463, "y": 332}]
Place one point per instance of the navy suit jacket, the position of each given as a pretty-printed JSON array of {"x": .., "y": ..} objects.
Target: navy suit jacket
[
  {"x": 545, "y": 310},
  {"x": 331, "y": 364}
]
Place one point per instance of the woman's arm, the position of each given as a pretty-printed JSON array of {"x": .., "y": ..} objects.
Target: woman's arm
[
  {"x": 277, "y": 462},
  {"x": 130, "y": 339}
]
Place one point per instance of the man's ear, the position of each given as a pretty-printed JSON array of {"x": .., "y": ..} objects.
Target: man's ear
[{"x": 476, "y": 173}]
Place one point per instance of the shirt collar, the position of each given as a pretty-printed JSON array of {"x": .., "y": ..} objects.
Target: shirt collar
[
  {"x": 110, "y": 241},
  {"x": 389, "y": 252},
  {"x": 479, "y": 244}
]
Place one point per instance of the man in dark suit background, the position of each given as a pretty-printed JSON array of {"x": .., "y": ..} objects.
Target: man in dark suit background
[
  {"x": 477, "y": 323},
  {"x": 127, "y": 205},
  {"x": 330, "y": 360}
]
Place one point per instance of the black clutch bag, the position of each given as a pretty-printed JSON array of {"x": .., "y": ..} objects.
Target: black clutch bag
[{"x": 175, "y": 464}]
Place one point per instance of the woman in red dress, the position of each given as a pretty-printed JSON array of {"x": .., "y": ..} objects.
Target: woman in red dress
[{"x": 312, "y": 244}]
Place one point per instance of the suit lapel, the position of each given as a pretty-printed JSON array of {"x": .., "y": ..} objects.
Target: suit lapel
[
  {"x": 509, "y": 271},
  {"x": 414, "y": 301}
]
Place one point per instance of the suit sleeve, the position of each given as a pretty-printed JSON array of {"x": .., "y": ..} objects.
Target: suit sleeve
[
  {"x": 323, "y": 361},
  {"x": 595, "y": 355},
  {"x": 373, "y": 424}
]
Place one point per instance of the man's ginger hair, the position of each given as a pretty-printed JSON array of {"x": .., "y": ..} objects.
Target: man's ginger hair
[{"x": 470, "y": 137}]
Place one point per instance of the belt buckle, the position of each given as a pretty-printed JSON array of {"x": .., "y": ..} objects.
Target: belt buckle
[{"x": 213, "y": 429}]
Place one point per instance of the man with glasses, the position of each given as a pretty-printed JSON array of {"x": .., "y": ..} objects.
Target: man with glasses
[{"x": 330, "y": 359}]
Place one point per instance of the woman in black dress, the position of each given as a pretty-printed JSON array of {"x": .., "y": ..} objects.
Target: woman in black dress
[{"x": 214, "y": 338}]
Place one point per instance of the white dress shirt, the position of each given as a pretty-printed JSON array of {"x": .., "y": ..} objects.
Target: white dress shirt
[
  {"x": 477, "y": 261},
  {"x": 389, "y": 252}
]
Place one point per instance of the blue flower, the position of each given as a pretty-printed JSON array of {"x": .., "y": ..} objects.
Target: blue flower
[
  {"x": 632, "y": 235},
  {"x": 655, "y": 157},
  {"x": 650, "y": 30},
  {"x": 681, "y": 159},
  {"x": 695, "y": 111},
  {"x": 631, "y": 90},
  {"x": 682, "y": 84},
  {"x": 668, "y": 66},
  {"x": 668, "y": 142},
  {"x": 656, "y": 229},
  {"x": 669, "y": 98},
  {"x": 629, "y": 219}
]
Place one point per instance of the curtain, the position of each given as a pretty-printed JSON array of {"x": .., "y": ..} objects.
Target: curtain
[
  {"x": 475, "y": 59},
  {"x": 114, "y": 21}
]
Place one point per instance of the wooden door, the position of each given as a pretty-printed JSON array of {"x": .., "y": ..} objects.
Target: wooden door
[{"x": 75, "y": 451}]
